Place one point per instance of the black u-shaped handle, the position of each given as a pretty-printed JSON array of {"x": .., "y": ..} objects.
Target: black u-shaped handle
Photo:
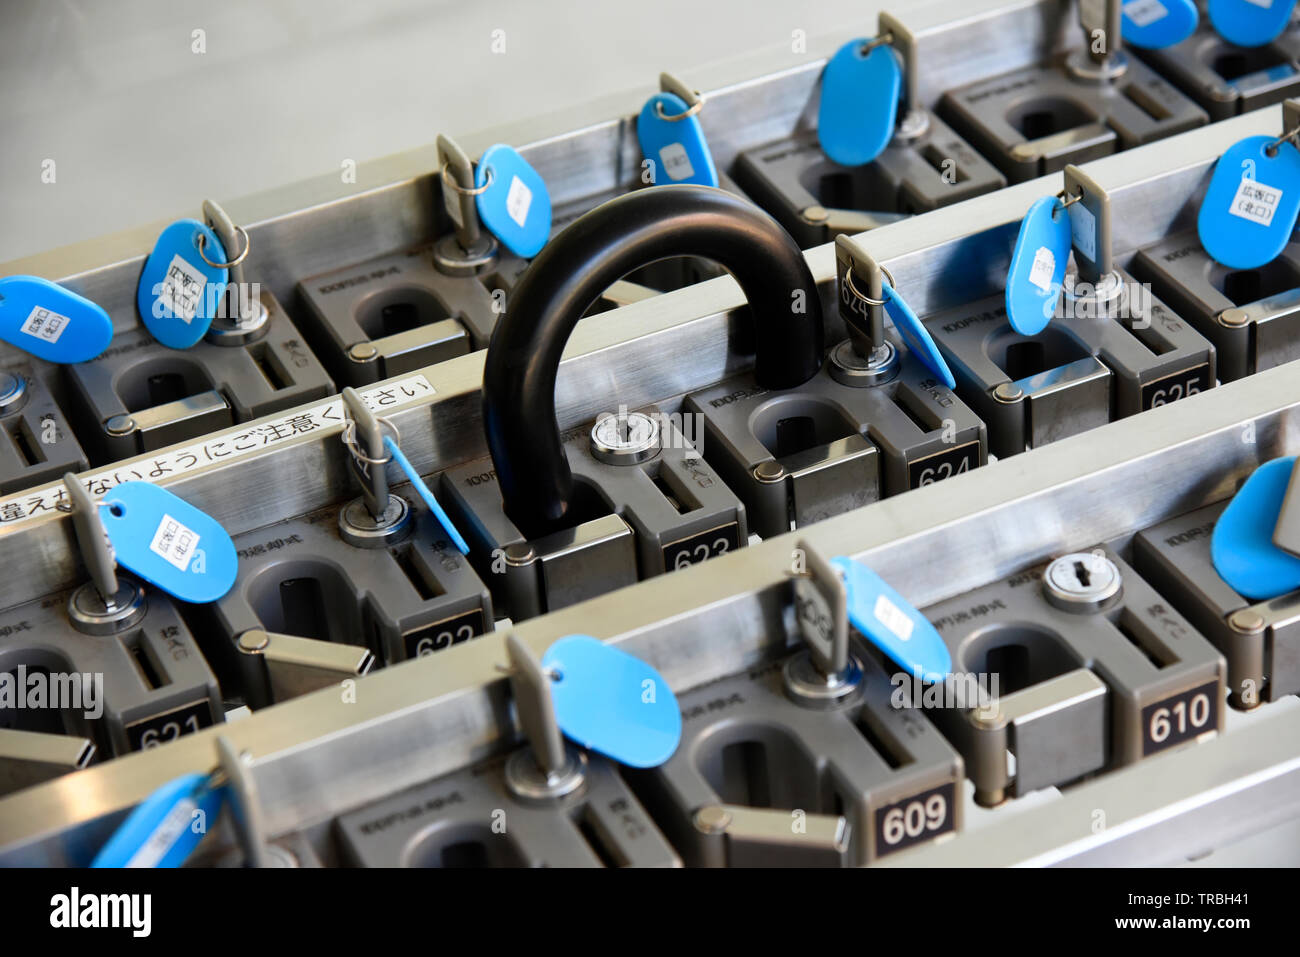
[{"x": 582, "y": 262}]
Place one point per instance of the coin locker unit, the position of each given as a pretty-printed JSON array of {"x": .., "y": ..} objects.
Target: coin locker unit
[
  {"x": 311, "y": 608},
  {"x": 1079, "y": 104},
  {"x": 1077, "y": 373},
  {"x": 156, "y": 683},
  {"x": 38, "y": 445},
  {"x": 140, "y": 396},
  {"x": 872, "y": 422},
  {"x": 1260, "y": 640},
  {"x": 1249, "y": 314},
  {"x": 647, "y": 504},
  {"x": 927, "y": 165},
  {"x": 753, "y": 760},
  {"x": 1225, "y": 79},
  {"x": 1094, "y": 668}
]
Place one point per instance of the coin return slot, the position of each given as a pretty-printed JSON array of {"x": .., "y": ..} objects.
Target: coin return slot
[
  {"x": 467, "y": 846},
  {"x": 406, "y": 562},
  {"x": 391, "y": 311},
  {"x": 943, "y": 164},
  {"x": 1021, "y": 358},
  {"x": 677, "y": 497},
  {"x": 1020, "y": 657},
  {"x": 1244, "y": 286},
  {"x": 45, "y": 719},
  {"x": 1234, "y": 63},
  {"x": 157, "y": 383},
  {"x": 308, "y": 599},
  {"x": 1158, "y": 654},
  {"x": 1039, "y": 118},
  {"x": 25, "y": 443},
  {"x": 762, "y": 767},
  {"x": 598, "y": 839},
  {"x": 277, "y": 377},
  {"x": 149, "y": 673},
  {"x": 788, "y": 427},
  {"x": 890, "y": 749}
]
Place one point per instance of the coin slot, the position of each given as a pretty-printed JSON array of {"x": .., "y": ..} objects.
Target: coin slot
[
  {"x": 424, "y": 587},
  {"x": 25, "y": 443},
  {"x": 276, "y": 375},
  {"x": 1148, "y": 104},
  {"x": 1036, "y": 119},
  {"x": 676, "y": 494},
  {"x": 1156, "y": 652},
  {"x": 149, "y": 673},
  {"x": 944, "y": 164},
  {"x": 599, "y": 840},
  {"x": 884, "y": 744}
]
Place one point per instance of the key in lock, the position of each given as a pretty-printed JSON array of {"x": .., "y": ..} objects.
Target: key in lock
[{"x": 1091, "y": 99}]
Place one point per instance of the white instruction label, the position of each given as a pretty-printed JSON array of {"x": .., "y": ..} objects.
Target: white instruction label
[
  {"x": 174, "y": 542},
  {"x": 1043, "y": 269},
  {"x": 675, "y": 162},
  {"x": 1255, "y": 201},
  {"x": 518, "y": 200},
  {"x": 44, "y": 324},
  {"x": 893, "y": 618},
  {"x": 182, "y": 289}
]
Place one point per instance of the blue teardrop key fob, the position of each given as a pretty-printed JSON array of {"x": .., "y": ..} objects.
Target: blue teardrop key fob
[
  {"x": 515, "y": 204},
  {"x": 1241, "y": 546},
  {"x": 168, "y": 542},
  {"x": 1250, "y": 208},
  {"x": 166, "y": 827},
  {"x": 674, "y": 143},
  {"x": 1156, "y": 24},
  {"x": 859, "y": 105},
  {"x": 180, "y": 291},
  {"x": 609, "y": 701},
  {"x": 1250, "y": 23},
  {"x": 916, "y": 335},
  {"x": 1038, "y": 263},
  {"x": 50, "y": 322},
  {"x": 888, "y": 621}
]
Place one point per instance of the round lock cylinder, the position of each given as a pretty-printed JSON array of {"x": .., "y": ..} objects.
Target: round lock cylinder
[
  {"x": 13, "y": 392},
  {"x": 851, "y": 368},
  {"x": 625, "y": 438},
  {"x": 1108, "y": 297},
  {"x": 241, "y": 329},
  {"x": 528, "y": 782},
  {"x": 90, "y": 613},
  {"x": 360, "y": 528},
  {"x": 453, "y": 259},
  {"x": 1082, "y": 582},
  {"x": 808, "y": 686}
]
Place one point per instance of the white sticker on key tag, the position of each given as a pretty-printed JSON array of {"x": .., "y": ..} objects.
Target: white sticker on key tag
[
  {"x": 1255, "y": 201},
  {"x": 1041, "y": 273},
  {"x": 518, "y": 201},
  {"x": 893, "y": 618},
  {"x": 182, "y": 288},
  {"x": 1143, "y": 13},
  {"x": 174, "y": 542},
  {"x": 676, "y": 163},
  {"x": 44, "y": 324},
  {"x": 1083, "y": 230}
]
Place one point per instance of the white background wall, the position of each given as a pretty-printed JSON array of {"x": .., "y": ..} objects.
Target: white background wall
[{"x": 142, "y": 128}]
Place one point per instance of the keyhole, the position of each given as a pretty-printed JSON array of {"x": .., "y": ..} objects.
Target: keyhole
[{"x": 1081, "y": 572}]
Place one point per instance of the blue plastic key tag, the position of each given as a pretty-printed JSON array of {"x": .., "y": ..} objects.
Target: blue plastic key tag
[
  {"x": 916, "y": 336},
  {"x": 166, "y": 827},
  {"x": 180, "y": 288},
  {"x": 1156, "y": 24},
  {"x": 674, "y": 143},
  {"x": 891, "y": 624},
  {"x": 1250, "y": 23},
  {"x": 608, "y": 701},
  {"x": 514, "y": 203},
  {"x": 168, "y": 542},
  {"x": 859, "y": 104},
  {"x": 50, "y": 322},
  {"x": 1241, "y": 546},
  {"x": 1038, "y": 263},
  {"x": 1250, "y": 208},
  {"x": 425, "y": 493}
]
